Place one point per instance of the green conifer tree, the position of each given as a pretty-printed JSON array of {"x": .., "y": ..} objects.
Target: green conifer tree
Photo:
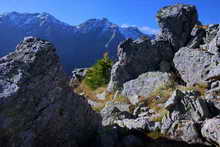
[{"x": 99, "y": 74}]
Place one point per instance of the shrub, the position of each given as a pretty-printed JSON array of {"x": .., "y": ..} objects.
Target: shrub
[{"x": 99, "y": 74}]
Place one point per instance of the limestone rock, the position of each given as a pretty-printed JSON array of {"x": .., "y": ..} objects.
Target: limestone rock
[
  {"x": 111, "y": 110},
  {"x": 144, "y": 85},
  {"x": 189, "y": 105},
  {"x": 176, "y": 23},
  {"x": 185, "y": 107},
  {"x": 193, "y": 65},
  {"x": 141, "y": 56},
  {"x": 77, "y": 76},
  {"x": 150, "y": 53},
  {"x": 187, "y": 131},
  {"x": 198, "y": 38},
  {"x": 37, "y": 106},
  {"x": 199, "y": 61},
  {"x": 211, "y": 130}
]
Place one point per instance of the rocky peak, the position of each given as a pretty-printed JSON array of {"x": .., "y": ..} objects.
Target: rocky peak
[
  {"x": 176, "y": 23},
  {"x": 106, "y": 26},
  {"x": 131, "y": 32},
  {"x": 94, "y": 24},
  {"x": 36, "y": 101},
  {"x": 21, "y": 20}
]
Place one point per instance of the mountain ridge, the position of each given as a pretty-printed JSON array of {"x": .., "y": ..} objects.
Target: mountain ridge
[{"x": 78, "y": 46}]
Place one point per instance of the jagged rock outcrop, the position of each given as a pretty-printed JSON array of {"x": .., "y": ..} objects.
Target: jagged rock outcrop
[
  {"x": 150, "y": 53},
  {"x": 120, "y": 114},
  {"x": 37, "y": 106},
  {"x": 200, "y": 63},
  {"x": 193, "y": 65},
  {"x": 144, "y": 85},
  {"x": 176, "y": 23},
  {"x": 141, "y": 56},
  {"x": 186, "y": 130},
  {"x": 111, "y": 110},
  {"x": 77, "y": 76},
  {"x": 211, "y": 130},
  {"x": 186, "y": 111},
  {"x": 188, "y": 105}
]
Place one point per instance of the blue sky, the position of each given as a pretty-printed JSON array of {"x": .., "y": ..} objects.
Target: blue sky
[{"x": 129, "y": 12}]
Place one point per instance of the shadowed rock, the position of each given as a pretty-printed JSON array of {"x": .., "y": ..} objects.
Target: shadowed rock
[{"x": 37, "y": 106}]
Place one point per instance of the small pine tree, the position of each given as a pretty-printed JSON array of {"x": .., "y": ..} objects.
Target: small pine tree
[{"x": 99, "y": 74}]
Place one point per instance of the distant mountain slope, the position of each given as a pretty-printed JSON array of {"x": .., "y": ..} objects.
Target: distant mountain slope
[{"x": 78, "y": 46}]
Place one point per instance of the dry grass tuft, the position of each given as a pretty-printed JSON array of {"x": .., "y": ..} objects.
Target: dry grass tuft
[
  {"x": 91, "y": 94},
  {"x": 201, "y": 88},
  {"x": 160, "y": 95}
]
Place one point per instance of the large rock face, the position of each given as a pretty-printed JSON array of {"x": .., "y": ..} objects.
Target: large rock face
[
  {"x": 187, "y": 110},
  {"x": 37, "y": 106},
  {"x": 200, "y": 63},
  {"x": 176, "y": 23},
  {"x": 193, "y": 65},
  {"x": 144, "y": 85},
  {"x": 188, "y": 105},
  {"x": 137, "y": 57}
]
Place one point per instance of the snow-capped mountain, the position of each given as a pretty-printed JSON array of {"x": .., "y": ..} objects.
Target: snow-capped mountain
[
  {"x": 131, "y": 32},
  {"x": 106, "y": 25},
  {"x": 77, "y": 46}
]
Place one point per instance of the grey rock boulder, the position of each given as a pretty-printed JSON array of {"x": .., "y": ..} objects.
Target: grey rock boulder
[
  {"x": 136, "y": 124},
  {"x": 141, "y": 56},
  {"x": 187, "y": 131},
  {"x": 136, "y": 58},
  {"x": 115, "y": 113},
  {"x": 111, "y": 111},
  {"x": 176, "y": 23},
  {"x": 198, "y": 35},
  {"x": 144, "y": 85},
  {"x": 184, "y": 105},
  {"x": 77, "y": 76},
  {"x": 37, "y": 106},
  {"x": 199, "y": 61},
  {"x": 193, "y": 65},
  {"x": 211, "y": 130},
  {"x": 189, "y": 105}
]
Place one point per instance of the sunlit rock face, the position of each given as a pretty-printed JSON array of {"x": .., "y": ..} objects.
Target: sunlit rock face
[{"x": 176, "y": 23}]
